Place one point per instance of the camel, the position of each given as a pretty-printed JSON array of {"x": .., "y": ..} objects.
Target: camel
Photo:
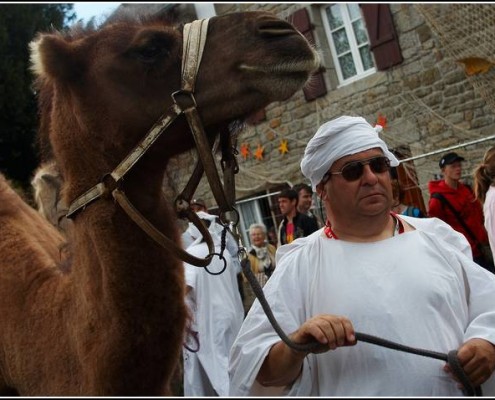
[{"x": 112, "y": 324}]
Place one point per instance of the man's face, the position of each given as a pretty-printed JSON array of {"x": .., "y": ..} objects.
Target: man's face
[
  {"x": 286, "y": 205},
  {"x": 370, "y": 194},
  {"x": 305, "y": 200},
  {"x": 453, "y": 171}
]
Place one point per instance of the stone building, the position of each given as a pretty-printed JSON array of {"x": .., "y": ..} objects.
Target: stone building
[{"x": 384, "y": 62}]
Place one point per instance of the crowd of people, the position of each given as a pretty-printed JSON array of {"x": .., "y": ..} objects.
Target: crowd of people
[{"x": 376, "y": 265}]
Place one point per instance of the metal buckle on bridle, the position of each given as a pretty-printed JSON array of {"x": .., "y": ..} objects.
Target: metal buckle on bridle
[{"x": 182, "y": 97}]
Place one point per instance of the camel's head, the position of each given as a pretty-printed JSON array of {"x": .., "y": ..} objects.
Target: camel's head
[
  {"x": 251, "y": 59},
  {"x": 112, "y": 84}
]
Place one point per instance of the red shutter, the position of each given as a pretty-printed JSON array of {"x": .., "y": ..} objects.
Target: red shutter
[
  {"x": 383, "y": 39},
  {"x": 316, "y": 86}
]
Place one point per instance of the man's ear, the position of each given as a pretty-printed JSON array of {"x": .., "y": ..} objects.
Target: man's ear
[{"x": 320, "y": 192}]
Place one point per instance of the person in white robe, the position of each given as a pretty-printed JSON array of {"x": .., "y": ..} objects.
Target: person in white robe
[
  {"x": 404, "y": 279},
  {"x": 217, "y": 314}
]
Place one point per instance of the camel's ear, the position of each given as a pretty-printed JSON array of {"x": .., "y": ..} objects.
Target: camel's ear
[{"x": 54, "y": 58}]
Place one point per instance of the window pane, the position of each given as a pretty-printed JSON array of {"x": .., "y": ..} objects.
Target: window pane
[
  {"x": 366, "y": 58},
  {"x": 341, "y": 42},
  {"x": 350, "y": 44},
  {"x": 354, "y": 11},
  {"x": 359, "y": 32},
  {"x": 334, "y": 16},
  {"x": 347, "y": 66}
]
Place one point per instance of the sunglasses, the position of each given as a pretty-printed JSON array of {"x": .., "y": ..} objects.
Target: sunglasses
[{"x": 354, "y": 170}]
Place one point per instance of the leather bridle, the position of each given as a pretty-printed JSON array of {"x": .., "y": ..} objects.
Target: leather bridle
[{"x": 194, "y": 40}]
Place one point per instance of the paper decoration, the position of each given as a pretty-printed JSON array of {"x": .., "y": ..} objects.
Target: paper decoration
[
  {"x": 476, "y": 65},
  {"x": 382, "y": 121},
  {"x": 283, "y": 148},
  {"x": 245, "y": 150},
  {"x": 259, "y": 152}
]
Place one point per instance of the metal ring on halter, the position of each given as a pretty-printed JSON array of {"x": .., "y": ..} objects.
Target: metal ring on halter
[
  {"x": 194, "y": 335},
  {"x": 225, "y": 220},
  {"x": 184, "y": 99},
  {"x": 221, "y": 258}
]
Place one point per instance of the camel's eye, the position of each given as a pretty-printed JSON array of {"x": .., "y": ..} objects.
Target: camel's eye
[
  {"x": 150, "y": 53},
  {"x": 152, "y": 46}
]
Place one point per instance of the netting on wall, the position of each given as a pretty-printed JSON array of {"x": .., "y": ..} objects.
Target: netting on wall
[
  {"x": 467, "y": 33},
  {"x": 451, "y": 111}
]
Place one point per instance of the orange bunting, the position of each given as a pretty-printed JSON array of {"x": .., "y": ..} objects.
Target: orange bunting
[
  {"x": 476, "y": 65},
  {"x": 259, "y": 152},
  {"x": 245, "y": 150},
  {"x": 283, "y": 148}
]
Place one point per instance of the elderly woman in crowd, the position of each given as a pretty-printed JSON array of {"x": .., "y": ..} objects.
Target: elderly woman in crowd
[{"x": 262, "y": 259}]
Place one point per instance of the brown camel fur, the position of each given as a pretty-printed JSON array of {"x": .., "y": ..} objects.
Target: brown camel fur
[{"x": 113, "y": 324}]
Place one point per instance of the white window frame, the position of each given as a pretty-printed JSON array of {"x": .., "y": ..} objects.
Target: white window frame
[{"x": 354, "y": 48}]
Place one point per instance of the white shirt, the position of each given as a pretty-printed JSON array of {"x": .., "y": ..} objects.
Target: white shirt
[
  {"x": 489, "y": 212},
  {"x": 409, "y": 289}
]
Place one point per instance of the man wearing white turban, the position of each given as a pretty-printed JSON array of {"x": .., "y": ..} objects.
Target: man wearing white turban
[
  {"x": 335, "y": 139},
  {"x": 405, "y": 279}
]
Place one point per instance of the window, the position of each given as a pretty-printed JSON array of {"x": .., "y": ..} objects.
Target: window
[{"x": 348, "y": 38}]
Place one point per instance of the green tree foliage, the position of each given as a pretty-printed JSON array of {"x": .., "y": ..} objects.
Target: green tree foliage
[{"x": 19, "y": 24}]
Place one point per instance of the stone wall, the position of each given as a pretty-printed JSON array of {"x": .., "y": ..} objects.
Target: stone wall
[{"x": 427, "y": 100}]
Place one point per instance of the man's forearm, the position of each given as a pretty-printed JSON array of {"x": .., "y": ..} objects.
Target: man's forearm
[{"x": 281, "y": 367}]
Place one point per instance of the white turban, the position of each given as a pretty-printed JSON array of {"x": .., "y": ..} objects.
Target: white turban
[{"x": 338, "y": 138}]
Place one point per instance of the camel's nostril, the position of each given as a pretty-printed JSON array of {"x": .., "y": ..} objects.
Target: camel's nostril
[{"x": 272, "y": 27}]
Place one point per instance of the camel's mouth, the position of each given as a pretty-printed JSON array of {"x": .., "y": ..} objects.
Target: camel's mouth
[{"x": 306, "y": 66}]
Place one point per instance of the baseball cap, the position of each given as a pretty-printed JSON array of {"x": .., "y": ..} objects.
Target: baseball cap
[
  {"x": 199, "y": 202},
  {"x": 449, "y": 158}
]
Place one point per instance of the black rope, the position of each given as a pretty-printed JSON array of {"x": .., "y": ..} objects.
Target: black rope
[{"x": 450, "y": 358}]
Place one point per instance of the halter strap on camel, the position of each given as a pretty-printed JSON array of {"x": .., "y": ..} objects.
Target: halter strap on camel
[{"x": 194, "y": 41}]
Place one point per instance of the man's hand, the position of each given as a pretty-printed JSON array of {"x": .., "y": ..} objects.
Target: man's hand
[
  {"x": 283, "y": 364},
  {"x": 331, "y": 331},
  {"x": 477, "y": 357}
]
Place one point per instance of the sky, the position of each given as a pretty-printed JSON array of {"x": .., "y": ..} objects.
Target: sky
[{"x": 87, "y": 10}]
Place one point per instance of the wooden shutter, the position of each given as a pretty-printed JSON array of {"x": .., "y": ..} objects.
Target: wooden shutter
[
  {"x": 316, "y": 87},
  {"x": 383, "y": 39}
]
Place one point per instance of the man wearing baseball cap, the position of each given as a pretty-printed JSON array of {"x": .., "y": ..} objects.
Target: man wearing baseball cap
[
  {"x": 454, "y": 202},
  {"x": 449, "y": 158}
]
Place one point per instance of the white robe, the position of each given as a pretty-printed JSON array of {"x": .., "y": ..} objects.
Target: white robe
[
  {"x": 409, "y": 289},
  {"x": 489, "y": 213},
  {"x": 217, "y": 311}
]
